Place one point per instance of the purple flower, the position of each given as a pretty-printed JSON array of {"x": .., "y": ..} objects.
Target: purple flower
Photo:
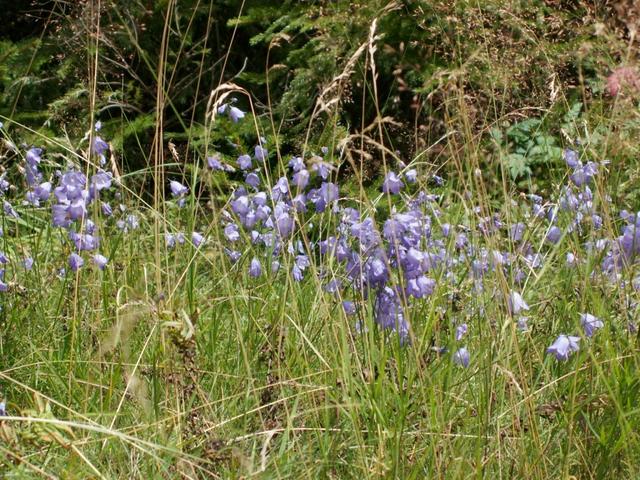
[
  {"x": 4, "y": 184},
  {"x": 197, "y": 239},
  {"x": 516, "y": 303},
  {"x": 296, "y": 164},
  {"x": 571, "y": 158},
  {"x": 33, "y": 160},
  {"x": 280, "y": 189},
  {"x": 461, "y": 357},
  {"x": 170, "y": 240},
  {"x": 214, "y": 163},
  {"x": 233, "y": 255},
  {"x": 177, "y": 189},
  {"x": 349, "y": 307},
  {"x": 461, "y": 331},
  {"x": 255, "y": 269},
  {"x": 100, "y": 261},
  {"x": 253, "y": 180},
  {"x": 132, "y": 221},
  {"x": 522, "y": 324},
  {"x": 244, "y": 162},
  {"x": 232, "y": 232},
  {"x": 323, "y": 169},
  {"x": 84, "y": 241},
  {"x": 553, "y": 235},
  {"x": 75, "y": 261},
  {"x": 27, "y": 263},
  {"x": 590, "y": 323},
  {"x": 411, "y": 175},
  {"x": 392, "y": 184},
  {"x": 420, "y": 287},
  {"x": 235, "y": 114},
  {"x": 389, "y": 313},
  {"x": 301, "y": 179},
  {"x": 333, "y": 286},
  {"x": 99, "y": 147},
  {"x": 564, "y": 346},
  {"x": 9, "y": 211},
  {"x": 260, "y": 153},
  {"x": 584, "y": 174},
  {"x": 106, "y": 209},
  {"x": 517, "y": 232},
  {"x": 33, "y": 156},
  {"x": 101, "y": 181}
]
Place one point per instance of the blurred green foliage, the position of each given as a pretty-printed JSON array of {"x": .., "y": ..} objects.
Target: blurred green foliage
[{"x": 441, "y": 67}]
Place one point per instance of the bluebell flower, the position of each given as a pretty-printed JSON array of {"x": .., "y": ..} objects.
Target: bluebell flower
[
  {"x": 178, "y": 189},
  {"x": 233, "y": 255},
  {"x": 461, "y": 331},
  {"x": 255, "y": 269},
  {"x": 100, "y": 181},
  {"x": 389, "y": 313},
  {"x": 522, "y": 324},
  {"x": 99, "y": 147},
  {"x": 132, "y": 221},
  {"x": 170, "y": 240},
  {"x": 100, "y": 261},
  {"x": 462, "y": 357},
  {"x": 411, "y": 175},
  {"x": 296, "y": 164},
  {"x": 420, "y": 287},
  {"x": 84, "y": 241},
  {"x": 322, "y": 168},
  {"x": 516, "y": 303},
  {"x": 253, "y": 180},
  {"x": 564, "y": 346},
  {"x": 106, "y": 209},
  {"x": 197, "y": 239},
  {"x": 280, "y": 189},
  {"x": 260, "y": 153},
  {"x": 516, "y": 232},
  {"x": 590, "y": 323},
  {"x": 244, "y": 162},
  {"x": 75, "y": 262},
  {"x": 553, "y": 235},
  {"x": 349, "y": 307},
  {"x": 4, "y": 184},
  {"x": 231, "y": 232},
  {"x": 235, "y": 114},
  {"x": 571, "y": 158},
  {"x": 333, "y": 286},
  {"x": 301, "y": 178},
  {"x": 33, "y": 159},
  {"x": 392, "y": 184},
  {"x": 9, "y": 211},
  {"x": 214, "y": 163}
]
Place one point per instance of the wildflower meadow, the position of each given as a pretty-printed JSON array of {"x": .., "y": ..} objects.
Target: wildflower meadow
[{"x": 245, "y": 298}]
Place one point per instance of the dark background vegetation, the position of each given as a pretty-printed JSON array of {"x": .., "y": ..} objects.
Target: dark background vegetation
[{"x": 506, "y": 73}]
